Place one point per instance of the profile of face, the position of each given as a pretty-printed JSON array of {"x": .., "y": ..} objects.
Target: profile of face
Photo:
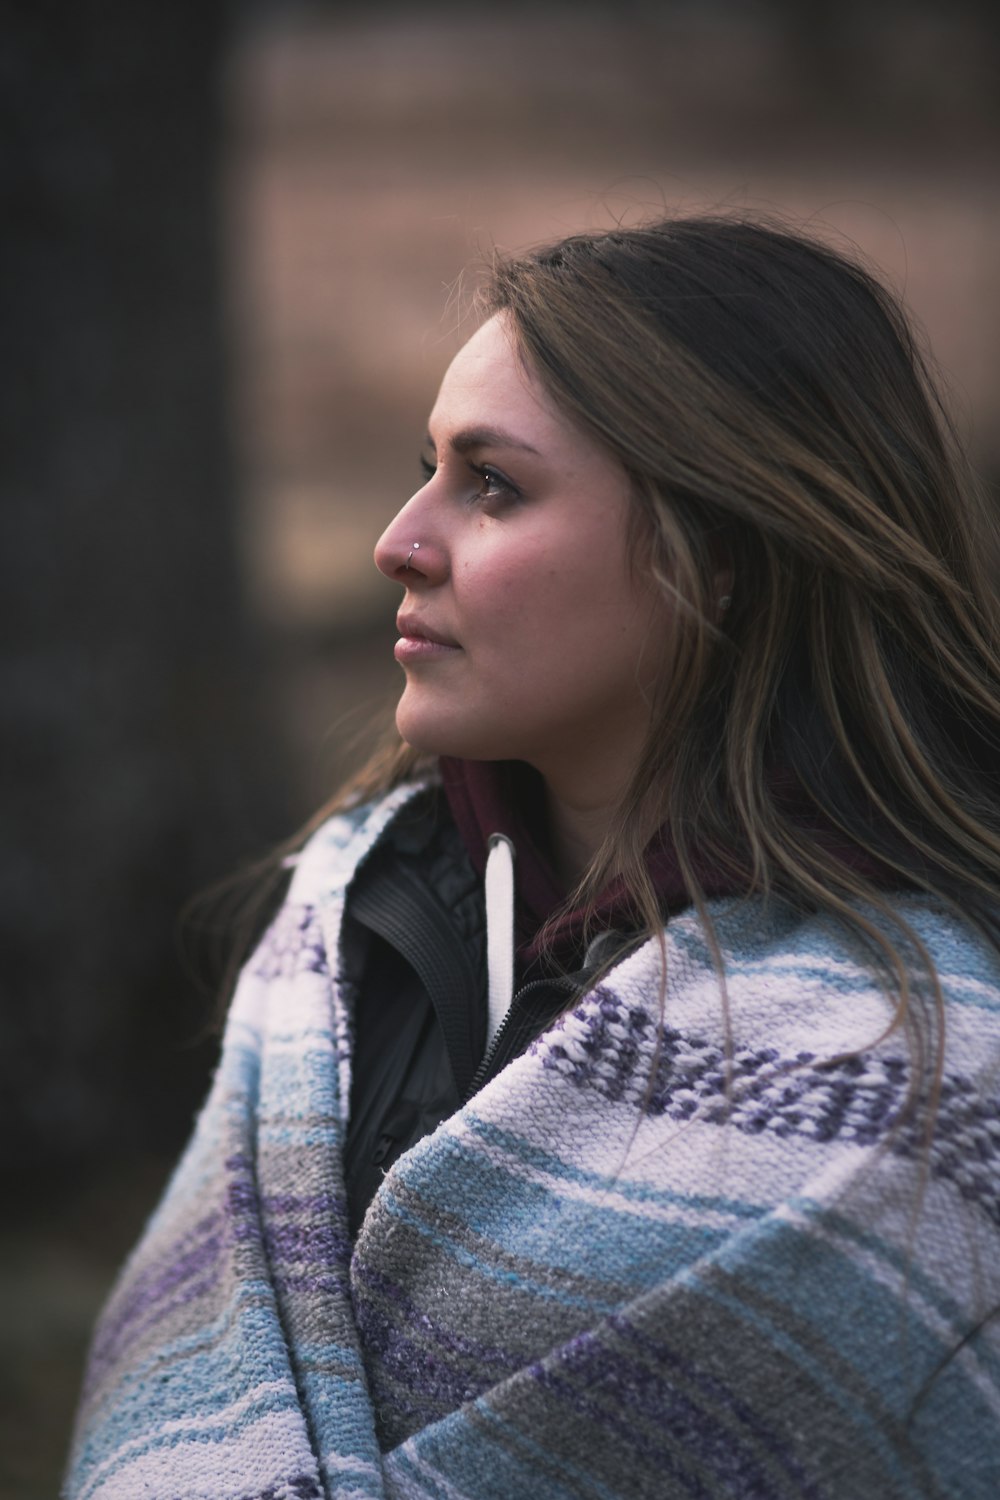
[{"x": 524, "y": 632}]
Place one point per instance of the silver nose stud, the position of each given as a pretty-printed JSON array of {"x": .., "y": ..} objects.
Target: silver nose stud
[{"x": 414, "y": 548}]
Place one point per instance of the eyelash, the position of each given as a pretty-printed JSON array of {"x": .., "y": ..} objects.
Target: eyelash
[{"x": 502, "y": 489}]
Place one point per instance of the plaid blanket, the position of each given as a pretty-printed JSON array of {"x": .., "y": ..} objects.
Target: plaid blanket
[{"x": 625, "y": 1268}]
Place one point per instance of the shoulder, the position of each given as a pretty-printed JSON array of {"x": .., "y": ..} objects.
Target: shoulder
[
  {"x": 803, "y": 1044},
  {"x": 807, "y": 981}
]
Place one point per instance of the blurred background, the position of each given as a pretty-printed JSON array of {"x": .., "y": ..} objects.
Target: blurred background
[{"x": 237, "y": 243}]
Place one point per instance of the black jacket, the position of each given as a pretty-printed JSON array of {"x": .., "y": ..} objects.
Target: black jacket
[{"x": 414, "y": 955}]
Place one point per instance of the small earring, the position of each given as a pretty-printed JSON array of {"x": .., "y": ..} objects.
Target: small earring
[
  {"x": 414, "y": 548},
  {"x": 725, "y": 601}
]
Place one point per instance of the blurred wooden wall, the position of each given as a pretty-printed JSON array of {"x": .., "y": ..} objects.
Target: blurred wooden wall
[{"x": 376, "y": 158}]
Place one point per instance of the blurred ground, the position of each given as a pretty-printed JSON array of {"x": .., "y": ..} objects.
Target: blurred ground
[{"x": 369, "y": 163}]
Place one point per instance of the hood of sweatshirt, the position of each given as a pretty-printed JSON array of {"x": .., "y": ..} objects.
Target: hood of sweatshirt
[{"x": 508, "y": 797}]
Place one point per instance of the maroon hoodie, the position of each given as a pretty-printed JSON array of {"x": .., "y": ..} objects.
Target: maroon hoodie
[{"x": 507, "y": 797}]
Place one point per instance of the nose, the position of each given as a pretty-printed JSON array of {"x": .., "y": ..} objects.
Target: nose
[
  {"x": 397, "y": 557},
  {"x": 406, "y": 550}
]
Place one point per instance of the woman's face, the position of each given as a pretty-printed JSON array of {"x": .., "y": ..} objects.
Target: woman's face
[{"x": 523, "y": 633}]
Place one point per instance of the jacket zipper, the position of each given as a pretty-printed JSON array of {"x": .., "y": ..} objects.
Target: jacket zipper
[
  {"x": 482, "y": 1073},
  {"x": 572, "y": 985}
]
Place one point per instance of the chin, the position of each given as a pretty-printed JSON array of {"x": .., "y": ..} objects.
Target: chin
[
  {"x": 446, "y": 734},
  {"x": 427, "y": 732}
]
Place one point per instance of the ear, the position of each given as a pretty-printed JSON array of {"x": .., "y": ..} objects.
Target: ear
[
  {"x": 723, "y": 583},
  {"x": 723, "y": 578}
]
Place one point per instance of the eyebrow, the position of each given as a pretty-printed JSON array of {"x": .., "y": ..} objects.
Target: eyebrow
[{"x": 482, "y": 437}]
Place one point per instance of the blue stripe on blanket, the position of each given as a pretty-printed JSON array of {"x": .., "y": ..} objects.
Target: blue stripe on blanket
[
  {"x": 204, "y": 1364},
  {"x": 623, "y": 1248},
  {"x": 93, "y": 1473},
  {"x": 510, "y": 1465},
  {"x": 963, "y": 962},
  {"x": 909, "y": 1271},
  {"x": 639, "y": 1192},
  {"x": 433, "y": 1235}
]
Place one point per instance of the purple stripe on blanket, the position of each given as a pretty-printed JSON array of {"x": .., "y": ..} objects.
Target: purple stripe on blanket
[
  {"x": 106, "y": 1349},
  {"x": 860, "y": 1099},
  {"x": 320, "y": 1237},
  {"x": 293, "y": 944},
  {"x": 309, "y": 1203},
  {"x": 190, "y": 1267},
  {"x": 168, "y": 1283},
  {"x": 318, "y": 1231},
  {"x": 717, "y": 1392},
  {"x": 308, "y": 1244},
  {"x": 245, "y": 1197},
  {"x": 329, "y": 1283},
  {"x": 588, "y": 1367},
  {"x": 466, "y": 1369},
  {"x": 299, "y": 1487},
  {"x": 242, "y": 1199}
]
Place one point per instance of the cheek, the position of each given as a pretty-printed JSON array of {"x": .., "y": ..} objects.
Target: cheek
[{"x": 507, "y": 593}]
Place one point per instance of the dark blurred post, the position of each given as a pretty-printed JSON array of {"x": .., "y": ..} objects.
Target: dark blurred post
[{"x": 127, "y": 685}]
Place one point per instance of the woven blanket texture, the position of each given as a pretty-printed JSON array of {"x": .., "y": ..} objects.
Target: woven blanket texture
[{"x": 607, "y": 1275}]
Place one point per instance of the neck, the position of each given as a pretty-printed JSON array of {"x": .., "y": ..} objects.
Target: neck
[
  {"x": 582, "y": 796},
  {"x": 576, "y": 831}
]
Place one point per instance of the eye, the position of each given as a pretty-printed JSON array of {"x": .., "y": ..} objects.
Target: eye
[
  {"x": 427, "y": 469},
  {"x": 494, "y": 486}
]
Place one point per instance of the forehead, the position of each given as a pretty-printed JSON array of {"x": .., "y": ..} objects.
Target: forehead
[{"x": 488, "y": 383}]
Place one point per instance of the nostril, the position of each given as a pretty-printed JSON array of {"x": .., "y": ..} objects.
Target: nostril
[{"x": 391, "y": 557}]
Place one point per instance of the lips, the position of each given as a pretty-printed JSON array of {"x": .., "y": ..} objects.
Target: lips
[
  {"x": 420, "y": 643},
  {"x": 412, "y": 629}
]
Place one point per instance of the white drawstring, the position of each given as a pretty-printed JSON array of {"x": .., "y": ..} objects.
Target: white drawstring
[{"x": 499, "y": 930}]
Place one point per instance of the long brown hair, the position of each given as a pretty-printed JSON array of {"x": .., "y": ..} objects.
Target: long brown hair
[
  {"x": 777, "y": 419},
  {"x": 770, "y": 403}
]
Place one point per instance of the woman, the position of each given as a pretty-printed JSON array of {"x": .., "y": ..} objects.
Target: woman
[{"x": 669, "y": 1165}]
